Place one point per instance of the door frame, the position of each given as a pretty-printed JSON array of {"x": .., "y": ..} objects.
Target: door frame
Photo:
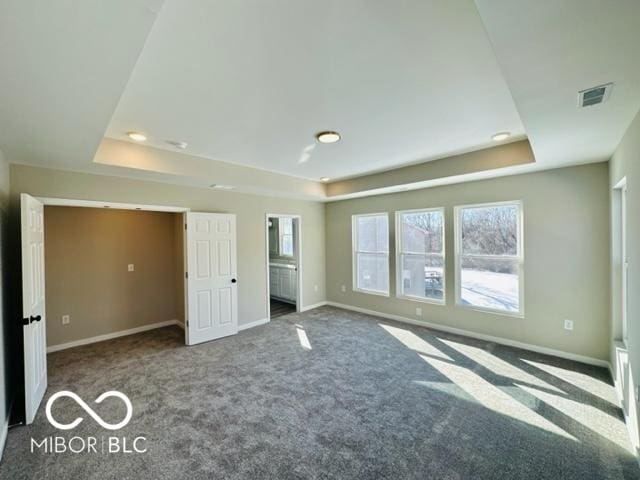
[
  {"x": 297, "y": 234},
  {"x": 71, "y": 202}
]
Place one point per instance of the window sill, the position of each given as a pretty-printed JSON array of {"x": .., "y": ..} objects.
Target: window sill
[
  {"x": 491, "y": 311},
  {"x": 422, "y": 300},
  {"x": 372, "y": 292}
]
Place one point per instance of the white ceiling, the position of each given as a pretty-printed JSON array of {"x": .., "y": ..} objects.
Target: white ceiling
[
  {"x": 63, "y": 67},
  {"x": 251, "y": 83},
  {"x": 548, "y": 51}
]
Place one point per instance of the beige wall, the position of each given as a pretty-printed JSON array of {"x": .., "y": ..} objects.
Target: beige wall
[
  {"x": 250, "y": 211},
  {"x": 566, "y": 225},
  {"x": 626, "y": 163},
  {"x": 87, "y": 251},
  {"x": 6, "y": 332}
]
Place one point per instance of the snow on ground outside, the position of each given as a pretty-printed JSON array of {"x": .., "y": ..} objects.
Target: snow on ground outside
[{"x": 490, "y": 290}]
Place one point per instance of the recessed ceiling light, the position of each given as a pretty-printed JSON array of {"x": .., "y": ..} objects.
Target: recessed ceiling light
[
  {"x": 137, "y": 136},
  {"x": 180, "y": 145},
  {"x": 217, "y": 186},
  {"x": 498, "y": 137},
  {"x": 328, "y": 137},
  {"x": 324, "y": 179}
]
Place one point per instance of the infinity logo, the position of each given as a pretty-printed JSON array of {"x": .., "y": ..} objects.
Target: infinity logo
[{"x": 89, "y": 410}]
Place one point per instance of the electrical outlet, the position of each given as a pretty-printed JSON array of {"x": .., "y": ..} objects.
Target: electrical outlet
[
  {"x": 130, "y": 267},
  {"x": 568, "y": 324},
  {"x": 66, "y": 319},
  {"x": 419, "y": 311},
  {"x": 343, "y": 288}
]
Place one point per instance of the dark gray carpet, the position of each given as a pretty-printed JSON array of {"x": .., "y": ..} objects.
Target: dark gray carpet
[{"x": 332, "y": 394}]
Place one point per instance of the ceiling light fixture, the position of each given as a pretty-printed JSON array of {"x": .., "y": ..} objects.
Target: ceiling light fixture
[
  {"x": 324, "y": 179},
  {"x": 137, "y": 136},
  {"x": 498, "y": 137},
  {"x": 328, "y": 137}
]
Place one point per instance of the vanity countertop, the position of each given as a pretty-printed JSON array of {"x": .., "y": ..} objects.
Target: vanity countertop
[{"x": 282, "y": 265}]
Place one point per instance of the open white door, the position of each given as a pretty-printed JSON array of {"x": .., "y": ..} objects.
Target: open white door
[
  {"x": 212, "y": 288},
  {"x": 34, "y": 322}
]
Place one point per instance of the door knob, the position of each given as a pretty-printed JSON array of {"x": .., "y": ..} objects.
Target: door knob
[
  {"x": 31, "y": 319},
  {"x": 233, "y": 280}
]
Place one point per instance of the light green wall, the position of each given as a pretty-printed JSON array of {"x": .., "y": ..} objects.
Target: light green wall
[
  {"x": 250, "y": 210},
  {"x": 566, "y": 240},
  {"x": 626, "y": 163}
]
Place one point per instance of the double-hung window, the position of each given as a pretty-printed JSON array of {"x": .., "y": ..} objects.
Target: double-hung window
[
  {"x": 285, "y": 229},
  {"x": 371, "y": 253},
  {"x": 420, "y": 254},
  {"x": 489, "y": 257}
]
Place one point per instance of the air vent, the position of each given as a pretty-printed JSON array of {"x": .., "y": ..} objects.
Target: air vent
[{"x": 595, "y": 95}]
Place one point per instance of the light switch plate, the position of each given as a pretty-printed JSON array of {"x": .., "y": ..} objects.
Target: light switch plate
[
  {"x": 419, "y": 311},
  {"x": 343, "y": 288},
  {"x": 568, "y": 324},
  {"x": 130, "y": 267},
  {"x": 66, "y": 319}
]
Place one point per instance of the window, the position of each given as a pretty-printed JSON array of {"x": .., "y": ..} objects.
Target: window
[
  {"x": 285, "y": 228},
  {"x": 420, "y": 254},
  {"x": 371, "y": 253},
  {"x": 489, "y": 257}
]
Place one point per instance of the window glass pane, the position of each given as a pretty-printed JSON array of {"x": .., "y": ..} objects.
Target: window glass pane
[
  {"x": 286, "y": 226},
  {"x": 490, "y": 283},
  {"x": 373, "y": 272},
  {"x": 422, "y": 232},
  {"x": 373, "y": 233},
  {"x": 287, "y": 245},
  {"x": 423, "y": 276},
  {"x": 490, "y": 230}
]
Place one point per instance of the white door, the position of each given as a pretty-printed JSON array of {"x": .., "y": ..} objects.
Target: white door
[
  {"x": 33, "y": 314},
  {"x": 212, "y": 288}
]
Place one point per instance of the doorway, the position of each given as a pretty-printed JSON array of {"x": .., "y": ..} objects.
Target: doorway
[
  {"x": 120, "y": 269},
  {"x": 283, "y": 264}
]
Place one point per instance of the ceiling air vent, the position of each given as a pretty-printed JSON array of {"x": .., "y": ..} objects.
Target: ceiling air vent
[{"x": 595, "y": 95}]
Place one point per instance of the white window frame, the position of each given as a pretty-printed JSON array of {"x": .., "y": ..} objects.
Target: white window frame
[
  {"x": 399, "y": 253},
  {"x": 519, "y": 257},
  {"x": 355, "y": 251},
  {"x": 282, "y": 235}
]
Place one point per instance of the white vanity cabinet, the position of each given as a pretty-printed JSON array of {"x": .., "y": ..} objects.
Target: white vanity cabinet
[{"x": 283, "y": 281}]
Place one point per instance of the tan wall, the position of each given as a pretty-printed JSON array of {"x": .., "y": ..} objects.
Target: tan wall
[
  {"x": 626, "y": 163},
  {"x": 87, "y": 251},
  {"x": 566, "y": 240},
  {"x": 249, "y": 209}
]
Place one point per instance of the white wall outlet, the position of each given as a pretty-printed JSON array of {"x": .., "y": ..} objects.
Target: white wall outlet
[
  {"x": 343, "y": 288},
  {"x": 66, "y": 319},
  {"x": 419, "y": 311},
  {"x": 315, "y": 288},
  {"x": 568, "y": 324},
  {"x": 130, "y": 267}
]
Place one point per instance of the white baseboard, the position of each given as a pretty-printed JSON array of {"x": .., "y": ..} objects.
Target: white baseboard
[
  {"x": 245, "y": 326},
  {"x": 180, "y": 324},
  {"x": 479, "y": 336},
  {"x": 311, "y": 307},
  {"x": 3, "y": 434},
  {"x": 109, "y": 336}
]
